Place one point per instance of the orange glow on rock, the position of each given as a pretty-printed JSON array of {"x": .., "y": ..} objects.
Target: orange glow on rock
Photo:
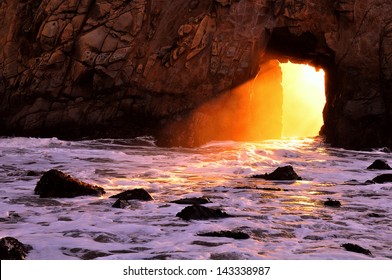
[
  {"x": 283, "y": 100},
  {"x": 303, "y": 100}
]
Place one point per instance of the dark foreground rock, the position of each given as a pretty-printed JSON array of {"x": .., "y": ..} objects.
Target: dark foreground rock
[
  {"x": 379, "y": 164},
  {"x": 137, "y": 194},
  {"x": 332, "y": 203},
  {"x": 281, "y": 173},
  {"x": 32, "y": 173},
  {"x": 227, "y": 234},
  {"x": 12, "y": 249},
  {"x": 375, "y": 215},
  {"x": 356, "y": 248},
  {"x": 192, "y": 200},
  {"x": 198, "y": 212},
  {"x": 383, "y": 178},
  {"x": 55, "y": 183}
]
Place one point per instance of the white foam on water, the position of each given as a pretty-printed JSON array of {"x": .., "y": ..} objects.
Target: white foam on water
[{"x": 285, "y": 220}]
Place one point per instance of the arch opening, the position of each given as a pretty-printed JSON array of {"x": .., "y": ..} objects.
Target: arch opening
[
  {"x": 283, "y": 100},
  {"x": 303, "y": 100}
]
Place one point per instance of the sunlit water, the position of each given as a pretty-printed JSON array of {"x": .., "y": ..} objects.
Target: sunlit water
[{"x": 285, "y": 220}]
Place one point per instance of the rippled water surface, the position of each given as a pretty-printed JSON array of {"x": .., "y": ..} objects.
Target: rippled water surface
[{"x": 285, "y": 220}]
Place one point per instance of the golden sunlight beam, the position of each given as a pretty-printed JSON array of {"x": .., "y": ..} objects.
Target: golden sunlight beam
[{"x": 303, "y": 100}]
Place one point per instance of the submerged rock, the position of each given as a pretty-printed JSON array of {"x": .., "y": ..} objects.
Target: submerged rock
[
  {"x": 356, "y": 248},
  {"x": 379, "y": 164},
  {"x": 32, "y": 173},
  {"x": 55, "y": 183},
  {"x": 12, "y": 249},
  {"x": 192, "y": 200},
  {"x": 207, "y": 244},
  {"x": 228, "y": 234},
  {"x": 138, "y": 194},
  {"x": 375, "y": 215},
  {"x": 383, "y": 178},
  {"x": 198, "y": 212},
  {"x": 332, "y": 203},
  {"x": 281, "y": 173}
]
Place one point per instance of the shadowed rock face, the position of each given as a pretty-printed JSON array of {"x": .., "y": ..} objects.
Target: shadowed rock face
[{"x": 126, "y": 68}]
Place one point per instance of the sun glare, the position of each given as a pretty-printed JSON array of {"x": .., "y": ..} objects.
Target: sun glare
[{"x": 303, "y": 100}]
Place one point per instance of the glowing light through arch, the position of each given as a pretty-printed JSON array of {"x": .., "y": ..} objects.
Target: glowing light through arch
[{"x": 303, "y": 100}]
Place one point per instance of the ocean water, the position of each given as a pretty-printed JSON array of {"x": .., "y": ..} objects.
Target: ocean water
[{"x": 285, "y": 220}]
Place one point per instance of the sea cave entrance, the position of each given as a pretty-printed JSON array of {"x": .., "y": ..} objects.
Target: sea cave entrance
[
  {"x": 287, "y": 101},
  {"x": 303, "y": 100},
  {"x": 284, "y": 100}
]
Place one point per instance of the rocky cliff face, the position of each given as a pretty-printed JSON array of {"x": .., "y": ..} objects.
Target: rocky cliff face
[{"x": 125, "y": 68}]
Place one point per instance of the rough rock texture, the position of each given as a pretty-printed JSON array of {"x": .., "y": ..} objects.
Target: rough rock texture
[
  {"x": 12, "y": 249},
  {"x": 125, "y": 68},
  {"x": 55, "y": 183}
]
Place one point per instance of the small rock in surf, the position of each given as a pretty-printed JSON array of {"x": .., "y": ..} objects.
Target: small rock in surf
[
  {"x": 332, "y": 203},
  {"x": 227, "y": 234},
  {"x": 138, "y": 194},
  {"x": 379, "y": 164},
  {"x": 356, "y": 248},
  {"x": 198, "y": 212},
  {"x": 281, "y": 173},
  {"x": 192, "y": 200}
]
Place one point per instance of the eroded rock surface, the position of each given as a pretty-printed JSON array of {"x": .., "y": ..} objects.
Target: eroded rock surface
[{"x": 126, "y": 68}]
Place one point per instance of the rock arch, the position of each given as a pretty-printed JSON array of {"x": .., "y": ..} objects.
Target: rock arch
[{"x": 126, "y": 68}]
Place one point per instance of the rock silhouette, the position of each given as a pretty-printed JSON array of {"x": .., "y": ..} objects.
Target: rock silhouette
[
  {"x": 135, "y": 194},
  {"x": 281, "y": 173},
  {"x": 379, "y": 165},
  {"x": 192, "y": 200},
  {"x": 356, "y": 248},
  {"x": 198, "y": 212},
  {"x": 383, "y": 178},
  {"x": 332, "y": 203},
  {"x": 138, "y": 194},
  {"x": 55, "y": 183},
  {"x": 228, "y": 234}
]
